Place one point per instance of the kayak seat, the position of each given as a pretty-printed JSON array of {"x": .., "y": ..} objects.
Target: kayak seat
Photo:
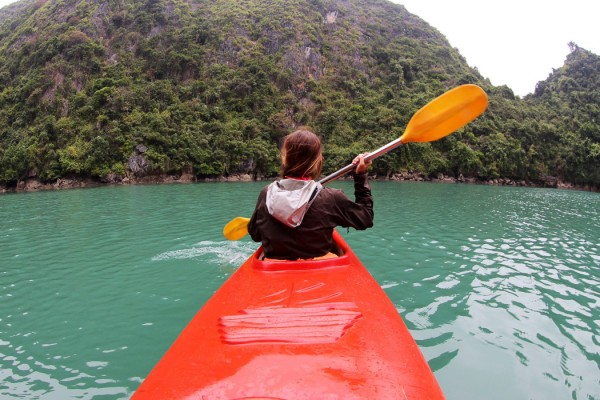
[
  {"x": 334, "y": 253},
  {"x": 339, "y": 257}
]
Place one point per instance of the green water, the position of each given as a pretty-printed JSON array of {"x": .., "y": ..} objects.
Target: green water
[{"x": 499, "y": 285}]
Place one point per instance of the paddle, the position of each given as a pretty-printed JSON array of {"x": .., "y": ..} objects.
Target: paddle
[{"x": 437, "y": 119}]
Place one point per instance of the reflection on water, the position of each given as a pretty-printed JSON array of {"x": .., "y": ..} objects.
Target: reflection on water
[{"x": 500, "y": 286}]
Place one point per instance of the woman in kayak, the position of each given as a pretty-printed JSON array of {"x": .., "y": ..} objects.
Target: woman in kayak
[{"x": 295, "y": 216}]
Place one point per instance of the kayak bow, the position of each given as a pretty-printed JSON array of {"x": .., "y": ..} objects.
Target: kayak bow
[{"x": 295, "y": 330}]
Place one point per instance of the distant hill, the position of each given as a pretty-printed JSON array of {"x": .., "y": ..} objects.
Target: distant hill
[
  {"x": 572, "y": 93},
  {"x": 123, "y": 90}
]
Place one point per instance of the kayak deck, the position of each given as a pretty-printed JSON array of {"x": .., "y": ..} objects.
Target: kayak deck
[{"x": 320, "y": 329}]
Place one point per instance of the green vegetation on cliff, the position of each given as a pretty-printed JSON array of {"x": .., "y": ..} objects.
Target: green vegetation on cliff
[{"x": 210, "y": 87}]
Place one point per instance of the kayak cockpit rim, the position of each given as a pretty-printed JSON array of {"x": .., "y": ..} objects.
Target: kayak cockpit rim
[{"x": 340, "y": 248}]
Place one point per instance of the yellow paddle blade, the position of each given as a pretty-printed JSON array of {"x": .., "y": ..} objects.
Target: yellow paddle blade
[
  {"x": 236, "y": 229},
  {"x": 445, "y": 114}
]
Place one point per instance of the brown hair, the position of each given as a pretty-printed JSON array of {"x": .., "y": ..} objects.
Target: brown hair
[{"x": 301, "y": 155}]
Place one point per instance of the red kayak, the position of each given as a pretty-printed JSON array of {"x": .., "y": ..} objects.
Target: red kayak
[{"x": 320, "y": 329}]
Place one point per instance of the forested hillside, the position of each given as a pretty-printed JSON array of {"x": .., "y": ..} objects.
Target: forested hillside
[{"x": 124, "y": 89}]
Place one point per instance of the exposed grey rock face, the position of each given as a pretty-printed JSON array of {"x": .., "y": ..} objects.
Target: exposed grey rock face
[{"x": 137, "y": 163}]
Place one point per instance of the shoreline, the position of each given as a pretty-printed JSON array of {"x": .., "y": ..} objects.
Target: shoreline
[{"x": 32, "y": 185}]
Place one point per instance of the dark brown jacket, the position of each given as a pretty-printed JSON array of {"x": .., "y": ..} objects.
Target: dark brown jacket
[{"x": 313, "y": 238}]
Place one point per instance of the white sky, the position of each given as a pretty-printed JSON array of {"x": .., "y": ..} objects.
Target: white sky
[{"x": 512, "y": 42}]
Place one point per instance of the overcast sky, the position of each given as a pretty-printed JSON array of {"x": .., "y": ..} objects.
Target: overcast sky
[{"x": 512, "y": 42}]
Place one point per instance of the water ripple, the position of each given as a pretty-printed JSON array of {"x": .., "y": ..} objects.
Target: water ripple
[
  {"x": 496, "y": 282},
  {"x": 499, "y": 286},
  {"x": 219, "y": 252}
]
